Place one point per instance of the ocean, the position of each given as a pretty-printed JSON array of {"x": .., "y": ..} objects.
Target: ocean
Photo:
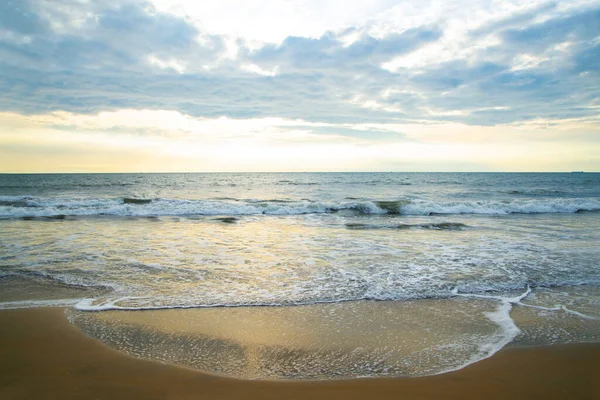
[{"x": 395, "y": 274}]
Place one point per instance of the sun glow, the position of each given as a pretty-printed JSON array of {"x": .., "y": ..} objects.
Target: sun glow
[{"x": 172, "y": 141}]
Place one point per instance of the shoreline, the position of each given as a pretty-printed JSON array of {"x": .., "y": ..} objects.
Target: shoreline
[{"x": 43, "y": 356}]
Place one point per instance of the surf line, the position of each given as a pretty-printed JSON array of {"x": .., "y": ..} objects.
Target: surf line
[
  {"x": 560, "y": 307},
  {"x": 10, "y": 305},
  {"x": 518, "y": 301},
  {"x": 501, "y": 317}
]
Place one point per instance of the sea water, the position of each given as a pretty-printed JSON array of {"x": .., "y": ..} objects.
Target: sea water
[{"x": 447, "y": 267}]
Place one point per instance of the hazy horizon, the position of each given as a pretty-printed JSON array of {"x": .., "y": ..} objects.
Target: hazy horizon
[{"x": 301, "y": 172}]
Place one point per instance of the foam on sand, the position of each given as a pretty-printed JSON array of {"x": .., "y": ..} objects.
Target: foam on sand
[{"x": 321, "y": 341}]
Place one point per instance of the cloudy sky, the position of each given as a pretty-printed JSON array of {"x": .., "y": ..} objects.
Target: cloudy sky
[{"x": 304, "y": 85}]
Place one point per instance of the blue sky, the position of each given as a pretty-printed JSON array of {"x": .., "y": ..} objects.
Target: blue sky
[{"x": 306, "y": 85}]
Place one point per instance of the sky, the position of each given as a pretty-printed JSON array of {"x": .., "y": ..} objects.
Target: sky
[{"x": 304, "y": 85}]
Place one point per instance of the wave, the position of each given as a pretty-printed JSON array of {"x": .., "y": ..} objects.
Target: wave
[
  {"x": 63, "y": 186},
  {"x": 47, "y": 278},
  {"x": 494, "y": 207},
  {"x": 101, "y": 294},
  {"x": 344, "y": 182},
  {"x": 295, "y": 183},
  {"x": 122, "y": 301},
  {"x": 453, "y": 226},
  {"x": 536, "y": 192},
  {"x": 14, "y": 203},
  {"x": 31, "y": 207},
  {"x": 134, "y": 200}
]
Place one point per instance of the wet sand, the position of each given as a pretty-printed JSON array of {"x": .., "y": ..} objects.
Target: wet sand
[{"x": 42, "y": 356}]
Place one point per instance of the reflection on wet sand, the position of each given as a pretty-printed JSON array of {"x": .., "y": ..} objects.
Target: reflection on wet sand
[
  {"x": 344, "y": 340},
  {"x": 322, "y": 341}
]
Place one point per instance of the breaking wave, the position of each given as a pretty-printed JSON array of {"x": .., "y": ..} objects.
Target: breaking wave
[{"x": 36, "y": 207}]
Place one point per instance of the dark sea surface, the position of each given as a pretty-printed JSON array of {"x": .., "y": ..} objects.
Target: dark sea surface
[{"x": 484, "y": 241}]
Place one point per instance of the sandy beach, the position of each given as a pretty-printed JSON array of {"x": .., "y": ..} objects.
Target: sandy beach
[
  {"x": 44, "y": 357},
  {"x": 357, "y": 200}
]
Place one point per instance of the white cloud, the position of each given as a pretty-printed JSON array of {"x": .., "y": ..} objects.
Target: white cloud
[
  {"x": 173, "y": 124},
  {"x": 172, "y": 63},
  {"x": 375, "y": 105},
  {"x": 273, "y": 21},
  {"x": 255, "y": 69}
]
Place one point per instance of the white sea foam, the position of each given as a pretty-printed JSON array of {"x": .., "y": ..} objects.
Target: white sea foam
[
  {"x": 24, "y": 206},
  {"x": 107, "y": 304},
  {"x": 507, "y": 332},
  {"x": 123, "y": 301},
  {"x": 579, "y": 314},
  {"x": 537, "y": 206},
  {"x": 560, "y": 307},
  {"x": 11, "y": 305}
]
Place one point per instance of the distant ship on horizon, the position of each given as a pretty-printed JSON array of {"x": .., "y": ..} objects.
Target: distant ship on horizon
[{"x": 577, "y": 172}]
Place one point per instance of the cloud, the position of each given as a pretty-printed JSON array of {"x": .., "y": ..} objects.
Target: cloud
[
  {"x": 14, "y": 18},
  {"x": 329, "y": 52},
  {"x": 454, "y": 62},
  {"x": 582, "y": 26},
  {"x": 269, "y": 21},
  {"x": 151, "y": 140}
]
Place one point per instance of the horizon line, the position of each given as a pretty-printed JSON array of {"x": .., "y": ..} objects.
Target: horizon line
[{"x": 302, "y": 172}]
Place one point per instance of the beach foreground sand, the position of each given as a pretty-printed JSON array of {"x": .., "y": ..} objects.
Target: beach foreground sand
[{"x": 42, "y": 356}]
